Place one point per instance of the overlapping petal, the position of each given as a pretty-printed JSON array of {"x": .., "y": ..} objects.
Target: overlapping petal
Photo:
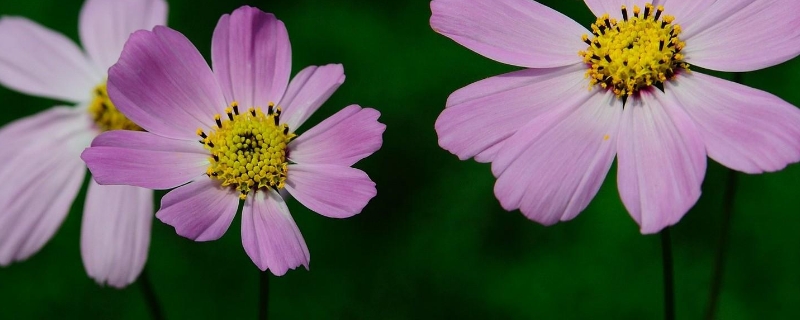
[
  {"x": 331, "y": 190},
  {"x": 105, "y": 25},
  {"x": 661, "y": 161},
  {"x": 342, "y": 139},
  {"x": 744, "y": 35},
  {"x": 560, "y": 168},
  {"x": 270, "y": 236},
  {"x": 252, "y": 57},
  {"x": 742, "y": 128},
  {"x": 115, "y": 233},
  {"x": 482, "y": 115},
  {"x": 201, "y": 210},
  {"x": 42, "y": 62},
  {"x": 309, "y": 89},
  {"x": 164, "y": 85},
  {"x": 517, "y": 32},
  {"x": 144, "y": 159}
]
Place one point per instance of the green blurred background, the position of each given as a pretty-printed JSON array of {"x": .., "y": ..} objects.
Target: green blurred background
[{"x": 434, "y": 243}]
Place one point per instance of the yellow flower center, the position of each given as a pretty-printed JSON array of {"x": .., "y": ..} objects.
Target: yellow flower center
[
  {"x": 105, "y": 115},
  {"x": 637, "y": 52},
  {"x": 248, "y": 150}
]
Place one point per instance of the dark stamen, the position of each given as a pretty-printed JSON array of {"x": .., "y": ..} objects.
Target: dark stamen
[
  {"x": 624, "y": 13},
  {"x": 236, "y": 109},
  {"x": 210, "y": 144},
  {"x": 608, "y": 58},
  {"x": 286, "y": 130},
  {"x": 587, "y": 41},
  {"x": 219, "y": 123},
  {"x": 608, "y": 24},
  {"x": 270, "y": 109},
  {"x": 597, "y": 44},
  {"x": 253, "y": 111},
  {"x": 216, "y": 157},
  {"x": 661, "y": 45},
  {"x": 230, "y": 116},
  {"x": 658, "y": 14},
  {"x": 646, "y": 11},
  {"x": 276, "y": 120},
  {"x": 595, "y": 57}
]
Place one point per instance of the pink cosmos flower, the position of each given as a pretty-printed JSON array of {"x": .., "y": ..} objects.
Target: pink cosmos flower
[
  {"x": 621, "y": 89},
  {"x": 244, "y": 114},
  {"x": 41, "y": 152}
]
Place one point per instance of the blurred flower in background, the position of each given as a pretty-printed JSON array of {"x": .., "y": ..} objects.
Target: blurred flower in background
[
  {"x": 42, "y": 152},
  {"x": 551, "y": 141},
  {"x": 244, "y": 114}
]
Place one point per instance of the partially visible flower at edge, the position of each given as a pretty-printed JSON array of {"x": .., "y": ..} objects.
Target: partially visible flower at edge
[
  {"x": 551, "y": 141},
  {"x": 42, "y": 152},
  {"x": 244, "y": 114}
]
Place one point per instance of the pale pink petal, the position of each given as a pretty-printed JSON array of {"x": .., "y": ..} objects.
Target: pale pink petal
[
  {"x": 744, "y": 35},
  {"x": 144, "y": 159},
  {"x": 115, "y": 233},
  {"x": 201, "y": 210},
  {"x": 661, "y": 161},
  {"x": 485, "y": 113},
  {"x": 561, "y": 168},
  {"x": 743, "y": 128},
  {"x": 105, "y": 25},
  {"x": 41, "y": 62},
  {"x": 330, "y": 190},
  {"x": 162, "y": 83},
  {"x": 517, "y": 32},
  {"x": 309, "y": 89},
  {"x": 680, "y": 9},
  {"x": 252, "y": 57},
  {"x": 43, "y": 175},
  {"x": 342, "y": 139},
  {"x": 269, "y": 235}
]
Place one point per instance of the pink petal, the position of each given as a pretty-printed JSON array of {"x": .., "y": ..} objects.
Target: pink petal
[
  {"x": 144, "y": 159},
  {"x": 201, "y": 210},
  {"x": 164, "y": 85},
  {"x": 661, "y": 161},
  {"x": 41, "y": 62},
  {"x": 105, "y": 25},
  {"x": 744, "y": 35},
  {"x": 330, "y": 190},
  {"x": 485, "y": 113},
  {"x": 46, "y": 173},
  {"x": 115, "y": 233},
  {"x": 269, "y": 235},
  {"x": 309, "y": 89},
  {"x": 344, "y": 138},
  {"x": 517, "y": 32},
  {"x": 561, "y": 168},
  {"x": 743, "y": 128},
  {"x": 252, "y": 57},
  {"x": 680, "y": 9}
]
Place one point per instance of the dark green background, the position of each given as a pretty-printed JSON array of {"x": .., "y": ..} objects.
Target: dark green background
[{"x": 435, "y": 242}]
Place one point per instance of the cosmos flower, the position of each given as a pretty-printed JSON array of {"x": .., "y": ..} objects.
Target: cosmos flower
[
  {"x": 244, "y": 114},
  {"x": 42, "y": 152},
  {"x": 623, "y": 89}
]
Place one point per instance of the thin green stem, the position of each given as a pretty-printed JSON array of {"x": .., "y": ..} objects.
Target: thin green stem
[
  {"x": 263, "y": 296},
  {"x": 153, "y": 306},
  {"x": 669, "y": 281},
  {"x": 722, "y": 247}
]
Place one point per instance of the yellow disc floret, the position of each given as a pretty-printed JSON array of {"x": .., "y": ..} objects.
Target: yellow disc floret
[
  {"x": 637, "y": 52},
  {"x": 248, "y": 150},
  {"x": 105, "y": 115}
]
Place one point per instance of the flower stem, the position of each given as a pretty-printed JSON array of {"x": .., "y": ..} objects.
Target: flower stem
[
  {"x": 722, "y": 245},
  {"x": 263, "y": 296},
  {"x": 669, "y": 286},
  {"x": 153, "y": 306},
  {"x": 719, "y": 259}
]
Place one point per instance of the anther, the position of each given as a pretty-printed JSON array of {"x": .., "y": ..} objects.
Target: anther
[
  {"x": 201, "y": 133},
  {"x": 210, "y": 144},
  {"x": 253, "y": 111},
  {"x": 216, "y": 157},
  {"x": 585, "y": 38},
  {"x": 236, "y": 109},
  {"x": 646, "y": 11},
  {"x": 276, "y": 120},
  {"x": 278, "y": 111},
  {"x": 229, "y": 112},
  {"x": 661, "y": 45},
  {"x": 286, "y": 130},
  {"x": 270, "y": 109},
  {"x": 218, "y": 120},
  {"x": 659, "y": 10},
  {"x": 624, "y": 13},
  {"x": 636, "y": 11},
  {"x": 608, "y": 58},
  {"x": 608, "y": 24},
  {"x": 595, "y": 57}
]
